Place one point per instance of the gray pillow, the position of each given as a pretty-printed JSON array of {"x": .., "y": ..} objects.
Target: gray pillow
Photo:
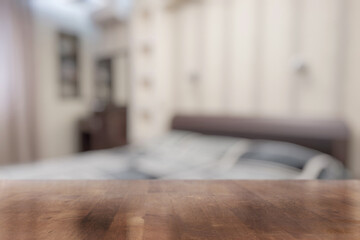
[{"x": 280, "y": 152}]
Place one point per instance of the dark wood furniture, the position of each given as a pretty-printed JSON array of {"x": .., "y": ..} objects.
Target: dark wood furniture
[
  {"x": 180, "y": 210},
  {"x": 328, "y": 136},
  {"x": 105, "y": 129}
]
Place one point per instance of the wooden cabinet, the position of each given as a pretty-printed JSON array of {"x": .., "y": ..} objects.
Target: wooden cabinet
[{"x": 106, "y": 129}]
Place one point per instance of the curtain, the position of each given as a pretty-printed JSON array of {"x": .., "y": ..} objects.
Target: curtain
[{"x": 17, "y": 108}]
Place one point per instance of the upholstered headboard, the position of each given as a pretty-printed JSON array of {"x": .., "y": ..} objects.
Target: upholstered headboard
[{"x": 328, "y": 136}]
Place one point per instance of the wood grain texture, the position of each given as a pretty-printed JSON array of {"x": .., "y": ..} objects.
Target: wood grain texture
[{"x": 180, "y": 210}]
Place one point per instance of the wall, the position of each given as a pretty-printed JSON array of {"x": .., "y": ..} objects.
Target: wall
[
  {"x": 113, "y": 41},
  {"x": 246, "y": 57},
  {"x": 151, "y": 90},
  {"x": 243, "y": 53},
  {"x": 56, "y": 117},
  {"x": 351, "y": 102}
]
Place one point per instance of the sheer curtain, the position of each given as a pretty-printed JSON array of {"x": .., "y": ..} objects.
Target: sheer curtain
[{"x": 17, "y": 110}]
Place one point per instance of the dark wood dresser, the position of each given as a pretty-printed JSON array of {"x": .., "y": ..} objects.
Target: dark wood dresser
[{"x": 105, "y": 129}]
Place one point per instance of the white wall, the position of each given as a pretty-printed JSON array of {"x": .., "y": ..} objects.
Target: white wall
[{"x": 56, "y": 117}]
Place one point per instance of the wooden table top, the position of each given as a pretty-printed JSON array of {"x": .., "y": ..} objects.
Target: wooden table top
[{"x": 180, "y": 210}]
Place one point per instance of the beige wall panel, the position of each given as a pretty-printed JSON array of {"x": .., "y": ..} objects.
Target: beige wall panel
[
  {"x": 242, "y": 14},
  {"x": 212, "y": 72},
  {"x": 352, "y": 83},
  {"x": 276, "y": 80},
  {"x": 317, "y": 93},
  {"x": 187, "y": 36}
]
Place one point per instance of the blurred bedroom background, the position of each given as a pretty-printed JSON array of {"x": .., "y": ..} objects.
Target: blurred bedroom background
[{"x": 81, "y": 76}]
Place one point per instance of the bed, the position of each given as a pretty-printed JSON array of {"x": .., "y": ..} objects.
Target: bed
[{"x": 209, "y": 147}]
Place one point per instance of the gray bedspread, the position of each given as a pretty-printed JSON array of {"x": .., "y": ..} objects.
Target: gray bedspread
[{"x": 178, "y": 155}]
